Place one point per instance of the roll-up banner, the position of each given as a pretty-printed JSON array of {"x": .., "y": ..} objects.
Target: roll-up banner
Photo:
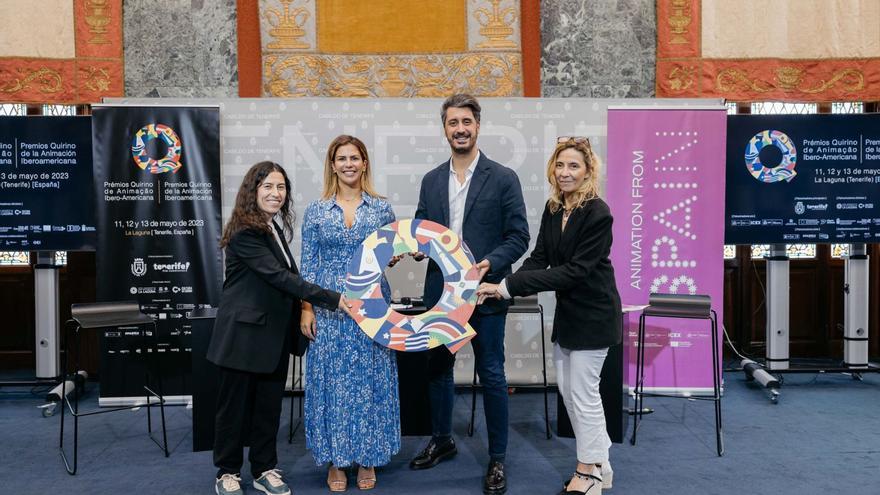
[
  {"x": 46, "y": 184},
  {"x": 666, "y": 189},
  {"x": 157, "y": 182},
  {"x": 803, "y": 178}
]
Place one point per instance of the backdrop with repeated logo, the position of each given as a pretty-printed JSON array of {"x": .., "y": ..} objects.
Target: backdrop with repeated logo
[{"x": 404, "y": 138}]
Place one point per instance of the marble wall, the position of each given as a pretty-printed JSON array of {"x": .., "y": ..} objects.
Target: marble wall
[
  {"x": 180, "y": 48},
  {"x": 598, "y": 48},
  {"x": 590, "y": 48}
]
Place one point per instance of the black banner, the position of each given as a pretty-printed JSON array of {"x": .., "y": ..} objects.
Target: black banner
[
  {"x": 46, "y": 184},
  {"x": 157, "y": 179},
  {"x": 803, "y": 179}
]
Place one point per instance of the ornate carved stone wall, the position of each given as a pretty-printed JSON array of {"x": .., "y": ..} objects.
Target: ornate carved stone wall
[
  {"x": 180, "y": 48},
  {"x": 599, "y": 49},
  {"x": 429, "y": 48}
]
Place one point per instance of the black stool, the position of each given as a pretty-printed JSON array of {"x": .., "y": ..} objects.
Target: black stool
[
  {"x": 678, "y": 306},
  {"x": 103, "y": 315},
  {"x": 521, "y": 305},
  {"x": 297, "y": 389}
]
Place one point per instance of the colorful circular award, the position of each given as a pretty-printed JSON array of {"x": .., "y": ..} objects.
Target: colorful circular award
[
  {"x": 784, "y": 170},
  {"x": 446, "y": 323},
  {"x": 168, "y": 163}
]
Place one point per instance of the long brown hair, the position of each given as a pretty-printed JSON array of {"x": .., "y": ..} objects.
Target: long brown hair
[
  {"x": 331, "y": 181},
  {"x": 247, "y": 214},
  {"x": 589, "y": 189}
]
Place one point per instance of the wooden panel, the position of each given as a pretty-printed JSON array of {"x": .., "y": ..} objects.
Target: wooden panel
[
  {"x": 17, "y": 308},
  {"x": 874, "y": 284},
  {"x": 816, "y": 305},
  {"x": 77, "y": 284},
  {"x": 804, "y": 309},
  {"x": 756, "y": 317},
  {"x": 732, "y": 303},
  {"x": 834, "y": 333},
  {"x": 806, "y": 325}
]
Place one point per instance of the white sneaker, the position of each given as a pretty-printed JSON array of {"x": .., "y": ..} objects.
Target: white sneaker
[
  {"x": 228, "y": 484},
  {"x": 271, "y": 483}
]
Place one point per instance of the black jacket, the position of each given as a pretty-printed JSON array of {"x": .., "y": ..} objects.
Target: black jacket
[
  {"x": 259, "y": 311},
  {"x": 494, "y": 227},
  {"x": 587, "y": 303}
]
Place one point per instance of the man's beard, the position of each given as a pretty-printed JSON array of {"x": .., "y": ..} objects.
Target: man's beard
[{"x": 464, "y": 149}]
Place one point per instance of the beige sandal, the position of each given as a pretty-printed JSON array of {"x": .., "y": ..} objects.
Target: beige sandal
[
  {"x": 334, "y": 482},
  {"x": 366, "y": 480}
]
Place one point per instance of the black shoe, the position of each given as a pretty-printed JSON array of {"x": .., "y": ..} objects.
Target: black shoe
[
  {"x": 495, "y": 483},
  {"x": 433, "y": 454},
  {"x": 595, "y": 483}
]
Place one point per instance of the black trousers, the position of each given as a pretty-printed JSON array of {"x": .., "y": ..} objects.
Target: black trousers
[{"x": 248, "y": 411}]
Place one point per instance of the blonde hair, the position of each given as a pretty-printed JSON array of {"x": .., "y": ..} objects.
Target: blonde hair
[
  {"x": 331, "y": 181},
  {"x": 589, "y": 189}
]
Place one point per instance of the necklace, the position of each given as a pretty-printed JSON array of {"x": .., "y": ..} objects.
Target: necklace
[{"x": 565, "y": 215}]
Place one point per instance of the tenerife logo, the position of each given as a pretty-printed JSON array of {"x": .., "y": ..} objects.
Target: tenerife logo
[
  {"x": 799, "y": 208},
  {"x": 138, "y": 267},
  {"x": 168, "y": 163},
  {"x": 176, "y": 267},
  {"x": 782, "y": 171}
]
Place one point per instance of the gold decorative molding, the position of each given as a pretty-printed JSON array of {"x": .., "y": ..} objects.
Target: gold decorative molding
[
  {"x": 98, "y": 18},
  {"x": 788, "y": 79},
  {"x": 679, "y": 20},
  {"x": 496, "y": 25},
  {"x": 393, "y": 83},
  {"x": 287, "y": 28},
  {"x": 850, "y": 79},
  {"x": 49, "y": 80},
  {"x": 730, "y": 79},
  {"x": 681, "y": 78},
  {"x": 428, "y": 75},
  {"x": 95, "y": 79}
]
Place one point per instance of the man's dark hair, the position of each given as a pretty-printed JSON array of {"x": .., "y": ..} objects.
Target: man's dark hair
[{"x": 461, "y": 100}]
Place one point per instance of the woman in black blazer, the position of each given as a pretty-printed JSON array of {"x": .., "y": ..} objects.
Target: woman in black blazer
[
  {"x": 571, "y": 258},
  {"x": 257, "y": 328}
]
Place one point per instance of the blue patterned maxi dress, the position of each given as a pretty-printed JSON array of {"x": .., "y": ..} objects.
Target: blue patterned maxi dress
[{"x": 352, "y": 409}]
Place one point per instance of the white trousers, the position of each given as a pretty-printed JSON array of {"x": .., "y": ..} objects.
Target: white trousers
[{"x": 577, "y": 375}]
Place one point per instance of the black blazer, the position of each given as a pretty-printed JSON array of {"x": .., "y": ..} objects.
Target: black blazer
[
  {"x": 259, "y": 311},
  {"x": 587, "y": 303},
  {"x": 494, "y": 226}
]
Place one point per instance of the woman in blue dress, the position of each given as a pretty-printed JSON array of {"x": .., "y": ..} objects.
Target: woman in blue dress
[{"x": 352, "y": 409}]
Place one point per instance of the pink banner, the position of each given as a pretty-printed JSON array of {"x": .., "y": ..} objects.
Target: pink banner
[{"x": 666, "y": 191}]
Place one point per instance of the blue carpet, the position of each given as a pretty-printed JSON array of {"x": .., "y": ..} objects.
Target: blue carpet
[{"x": 822, "y": 437}]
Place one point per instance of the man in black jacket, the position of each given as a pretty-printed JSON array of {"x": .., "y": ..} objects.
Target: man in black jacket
[{"x": 482, "y": 202}]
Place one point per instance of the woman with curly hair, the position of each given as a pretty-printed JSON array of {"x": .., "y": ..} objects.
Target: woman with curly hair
[{"x": 256, "y": 329}]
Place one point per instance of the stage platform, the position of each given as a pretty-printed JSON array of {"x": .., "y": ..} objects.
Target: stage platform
[{"x": 823, "y": 437}]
